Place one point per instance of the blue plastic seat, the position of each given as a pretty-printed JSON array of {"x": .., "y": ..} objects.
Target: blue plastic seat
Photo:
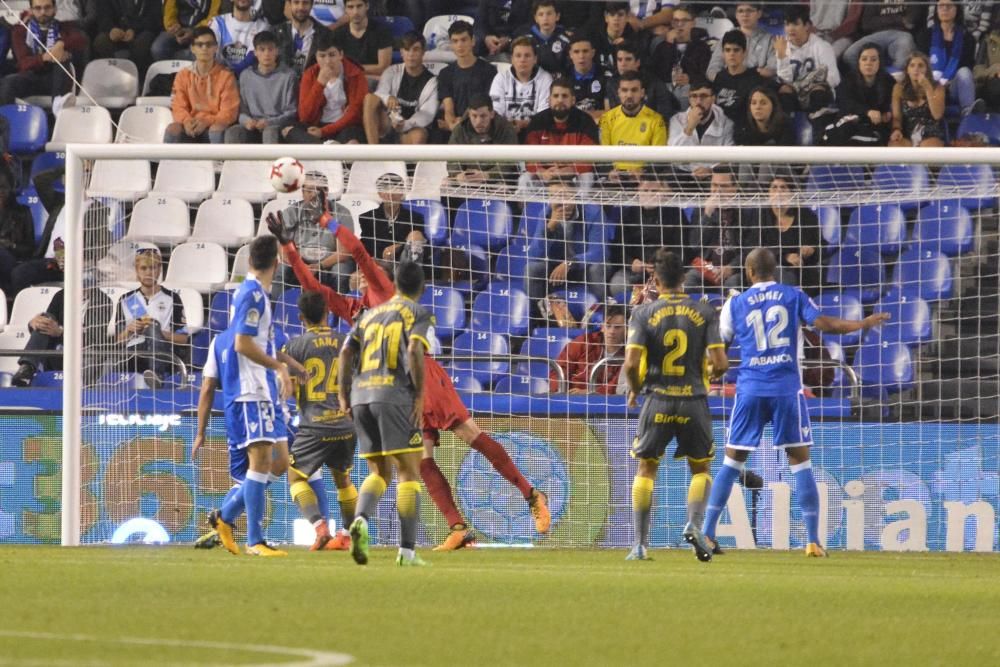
[
  {"x": 485, "y": 345},
  {"x": 466, "y": 381},
  {"x": 548, "y": 342},
  {"x": 512, "y": 263},
  {"x": 285, "y": 310},
  {"x": 448, "y": 307},
  {"x": 521, "y": 385},
  {"x": 218, "y": 320},
  {"x": 924, "y": 273},
  {"x": 824, "y": 178},
  {"x": 479, "y": 267},
  {"x": 803, "y": 129},
  {"x": 483, "y": 222},
  {"x": 975, "y": 178},
  {"x": 884, "y": 367},
  {"x": 859, "y": 271},
  {"x": 435, "y": 219},
  {"x": 29, "y": 128},
  {"x": 830, "y": 223},
  {"x": 881, "y": 225},
  {"x": 987, "y": 124},
  {"x": 845, "y": 307},
  {"x": 501, "y": 308},
  {"x": 397, "y": 25},
  {"x": 906, "y": 183},
  {"x": 909, "y": 322},
  {"x": 578, "y": 298},
  {"x": 52, "y": 379},
  {"x": 39, "y": 216},
  {"x": 47, "y": 161},
  {"x": 944, "y": 226}
]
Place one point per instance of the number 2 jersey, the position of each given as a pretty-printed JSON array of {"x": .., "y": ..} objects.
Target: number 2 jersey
[
  {"x": 766, "y": 321},
  {"x": 673, "y": 333},
  {"x": 383, "y": 335},
  {"x": 317, "y": 350}
]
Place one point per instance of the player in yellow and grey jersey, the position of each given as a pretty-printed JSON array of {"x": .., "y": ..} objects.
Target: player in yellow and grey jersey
[
  {"x": 325, "y": 435},
  {"x": 665, "y": 359}
]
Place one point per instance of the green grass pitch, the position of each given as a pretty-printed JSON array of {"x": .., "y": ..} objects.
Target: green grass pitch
[{"x": 174, "y": 605}]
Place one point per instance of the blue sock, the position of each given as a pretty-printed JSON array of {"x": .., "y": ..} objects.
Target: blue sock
[
  {"x": 254, "y": 493},
  {"x": 722, "y": 486},
  {"x": 808, "y": 496},
  {"x": 232, "y": 505},
  {"x": 318, "y": 486}
]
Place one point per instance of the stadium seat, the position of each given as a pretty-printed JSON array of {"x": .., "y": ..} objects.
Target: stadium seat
[
  {"x": 364, "y": 173},
  {"x": 272, "y": 206},
  {"x": 223, "y": 220},
  {"x": 143, "y": 124},
  {"x": 128, "y": 180},
  {"x": 483, "y": 222},
  {"x": 397, "y": 25},
  {"x": 521, "y": 385},
  {"x": 578, "y": 298},
  {"x": 427, "y": 179},
  {"x": 29, "y": 302},
  {"x": 466, "y": 381},
  {"x": 435, "y": 68},
  {"x": 880, "y": 225},
  {"x": 29, "y": 128},
  {"x": 924, "y": 273},
  {"x": 844, "y": 306},
  {"x": 884, "y": 366},
  {"x": 479, "y": 267},
  {"x": 485, "y": 345},
  {"x": 194, "y": 307},
  {"x": 858, "y": 270},
  {"x": 512, "y": 263},
  {"x": 164, "y": 221},
  {"x": 909, "y": 322},
  {"x": 334, "y": 172},
  {"x": 112, "y": 83},
  {"x": 824, "y": 178},
  {"x": 830, "y": 224},
  {"x": 448, "y": 308},
  {"x": 285, "y": 312},
  {"x": 48, "y": 379},
  {"x": 39, "y": 216},
  {"x": 200, "y": 265},
  {"x": 241, "y": 265},
  {"x": 803, "y": 129},
  {"x": 218, "y": 311},
  {"x": 944, "y": 226},
  {"x": 436, "y": 34},
  {"x": 246, "y": 179},
  {"x": 986, "y": 124},
  {"x": 12, "y": 338},
  {"x": 80, "y": 125},
  {"x": 3, "y": 310},
  {"x": 715, "y": 26},
  {"x": 189, "y": 180},
  {"x": 327, "y": 14},
  {"x": 501, "y": 308},
  {"x": 976, "y": 182},
  {"x": 548, "y": 342},
  {"x": 157, "y": 68},
  {"x": 435, "y": 219},
  {"x": 905, "y": 184}
]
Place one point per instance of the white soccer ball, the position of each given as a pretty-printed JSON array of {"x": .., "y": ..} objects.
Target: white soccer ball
[{"x": 287, "y": 174}]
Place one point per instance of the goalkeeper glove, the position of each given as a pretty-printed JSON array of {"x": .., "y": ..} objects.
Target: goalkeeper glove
[{"x": 276, "y": 225}]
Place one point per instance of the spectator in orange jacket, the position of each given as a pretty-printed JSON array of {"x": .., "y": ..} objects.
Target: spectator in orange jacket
[
  {"x": 580, "y": 355},
  {"x": 44, "y": 51},
  {"x": 331, "y": 97},
  {"x": 205, "y": 98}
]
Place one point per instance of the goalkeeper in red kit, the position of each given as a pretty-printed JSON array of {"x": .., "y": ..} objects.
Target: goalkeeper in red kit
[{"x": 443, "y": 409}]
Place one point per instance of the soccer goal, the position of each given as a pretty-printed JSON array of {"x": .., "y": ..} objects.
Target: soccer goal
[{"x": 534, "y": 257}]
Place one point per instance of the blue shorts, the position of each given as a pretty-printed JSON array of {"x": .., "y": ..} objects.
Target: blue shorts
[
  {"x": 251, "y": 421},
  {"x": 788, "y": 414},
  {"x": 280, "y": 422},
  {"x": 239, "y": 463}
]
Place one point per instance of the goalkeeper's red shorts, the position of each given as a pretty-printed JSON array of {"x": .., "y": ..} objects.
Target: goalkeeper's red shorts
[{"x": 443, "y": 409}]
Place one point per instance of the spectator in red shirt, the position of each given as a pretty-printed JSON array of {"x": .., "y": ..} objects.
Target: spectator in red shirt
[
  {"x": 44, "y": 51},
  {"x": 579, "y": 357}
]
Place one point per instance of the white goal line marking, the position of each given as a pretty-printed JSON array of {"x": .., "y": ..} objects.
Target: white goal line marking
[{"x": 310, "y": 657}]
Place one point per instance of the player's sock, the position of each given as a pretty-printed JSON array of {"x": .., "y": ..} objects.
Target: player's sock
[
  {"x": 371, "y": 490},
  {"x": 723, "y": 486},
  {"x": 348, "y": 498},
  {"x": 305, "y": 498},
  {"x": 233, "y": 505},
  {"x": 808, "y": 497},
  {"x": 501, "y": 461},
  {"x": 440, "y": 491},
  {"x": 408, "y": 506},
  {"x": 318, "y": 486},
  {"x": 698, "y": 490},
  {"x": 254, "y": 493},
  {"x": 642, "y": 504}
]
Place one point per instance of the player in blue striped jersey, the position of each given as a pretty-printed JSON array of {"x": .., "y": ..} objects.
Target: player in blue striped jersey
[{"x": 765, "y": 321}]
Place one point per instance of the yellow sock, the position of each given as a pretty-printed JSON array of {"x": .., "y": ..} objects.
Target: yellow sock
[
  {"x": 406, "y": 498},
  {"x": 374, "y": 485},
  {"x": 642, "y": 493},
  {"x": 697, "y": 490},
  {"x": 348, "y": 498},
  {"x": 306, "y": 499}
]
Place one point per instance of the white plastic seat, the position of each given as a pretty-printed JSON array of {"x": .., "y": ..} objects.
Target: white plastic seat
[
  {"x": 715, "y": 26},
  {"x": 30, "y": 302},
  {"x": 361, "y": 182},
  {"x": 427, "y": 180},
  {"x": 271, "y": 207},
  {"x": 334, "y": 171},
  {"x": 111, "y": 82},
  {"x": 191, "y": 181},
  {"x": 165, "y": 221},
  {"x": 227, "y": 221},
  {"x": 120, "y": 179},
  {"x": 3, "y": 310},
  {"x": 358, "y": 205},
  {"x": 202, "y": 266},
  {"x": 159, "y": 67},
  {"x": 194, "y": 307},
  {"x": 80, "y": 125},
  {"x": 143, "y": 124},
  {"x": 241, "y": 264},
  {"x": 12, "y": 339},
  {"x": 436, "y": 34},
  {"x": 246, "y": 179}
]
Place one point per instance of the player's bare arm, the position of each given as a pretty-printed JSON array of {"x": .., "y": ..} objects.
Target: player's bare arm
[
  {"x": 630, "y": 368},
  {"x": 718, "y": 362},
  {"x": 346, "y": 375},
  {"x": 205, "y": 400},
  {"x": 835, "y": 325}
]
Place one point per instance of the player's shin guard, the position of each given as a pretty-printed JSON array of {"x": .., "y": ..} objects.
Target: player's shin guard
[
  {"x": 318, "y": 486},
  {"x": 254, "y": 492},
  {"x": 719, "y": 496},
  {"x": 440, "y": 491},
  {"x": 348, "y": 499},
  {"x": 233, "y": 505},
  {"x": 501, "y": 461},
  {"x": 698, "y": 490},
  {"x": 642, "y": 503},
  {"x": 305, "y": 498},
  {"x": 808, "y": 496},
  {"x": 371, "y": 490},
  {"x": 408, "y": 506}
]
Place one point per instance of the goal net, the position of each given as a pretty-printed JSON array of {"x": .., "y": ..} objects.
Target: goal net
[{"x": 533, "y": 260}]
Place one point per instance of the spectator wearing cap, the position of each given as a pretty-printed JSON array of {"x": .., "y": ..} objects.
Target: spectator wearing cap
[
  {"x": 582, "y": 354},
  {"x": 482, "y": 126},
  {"x": 392, "y": 232},
  {"x": 205, "y": 98},
  {"x": 758, "y": 44},
  {"x": 267, "y": 96}
]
